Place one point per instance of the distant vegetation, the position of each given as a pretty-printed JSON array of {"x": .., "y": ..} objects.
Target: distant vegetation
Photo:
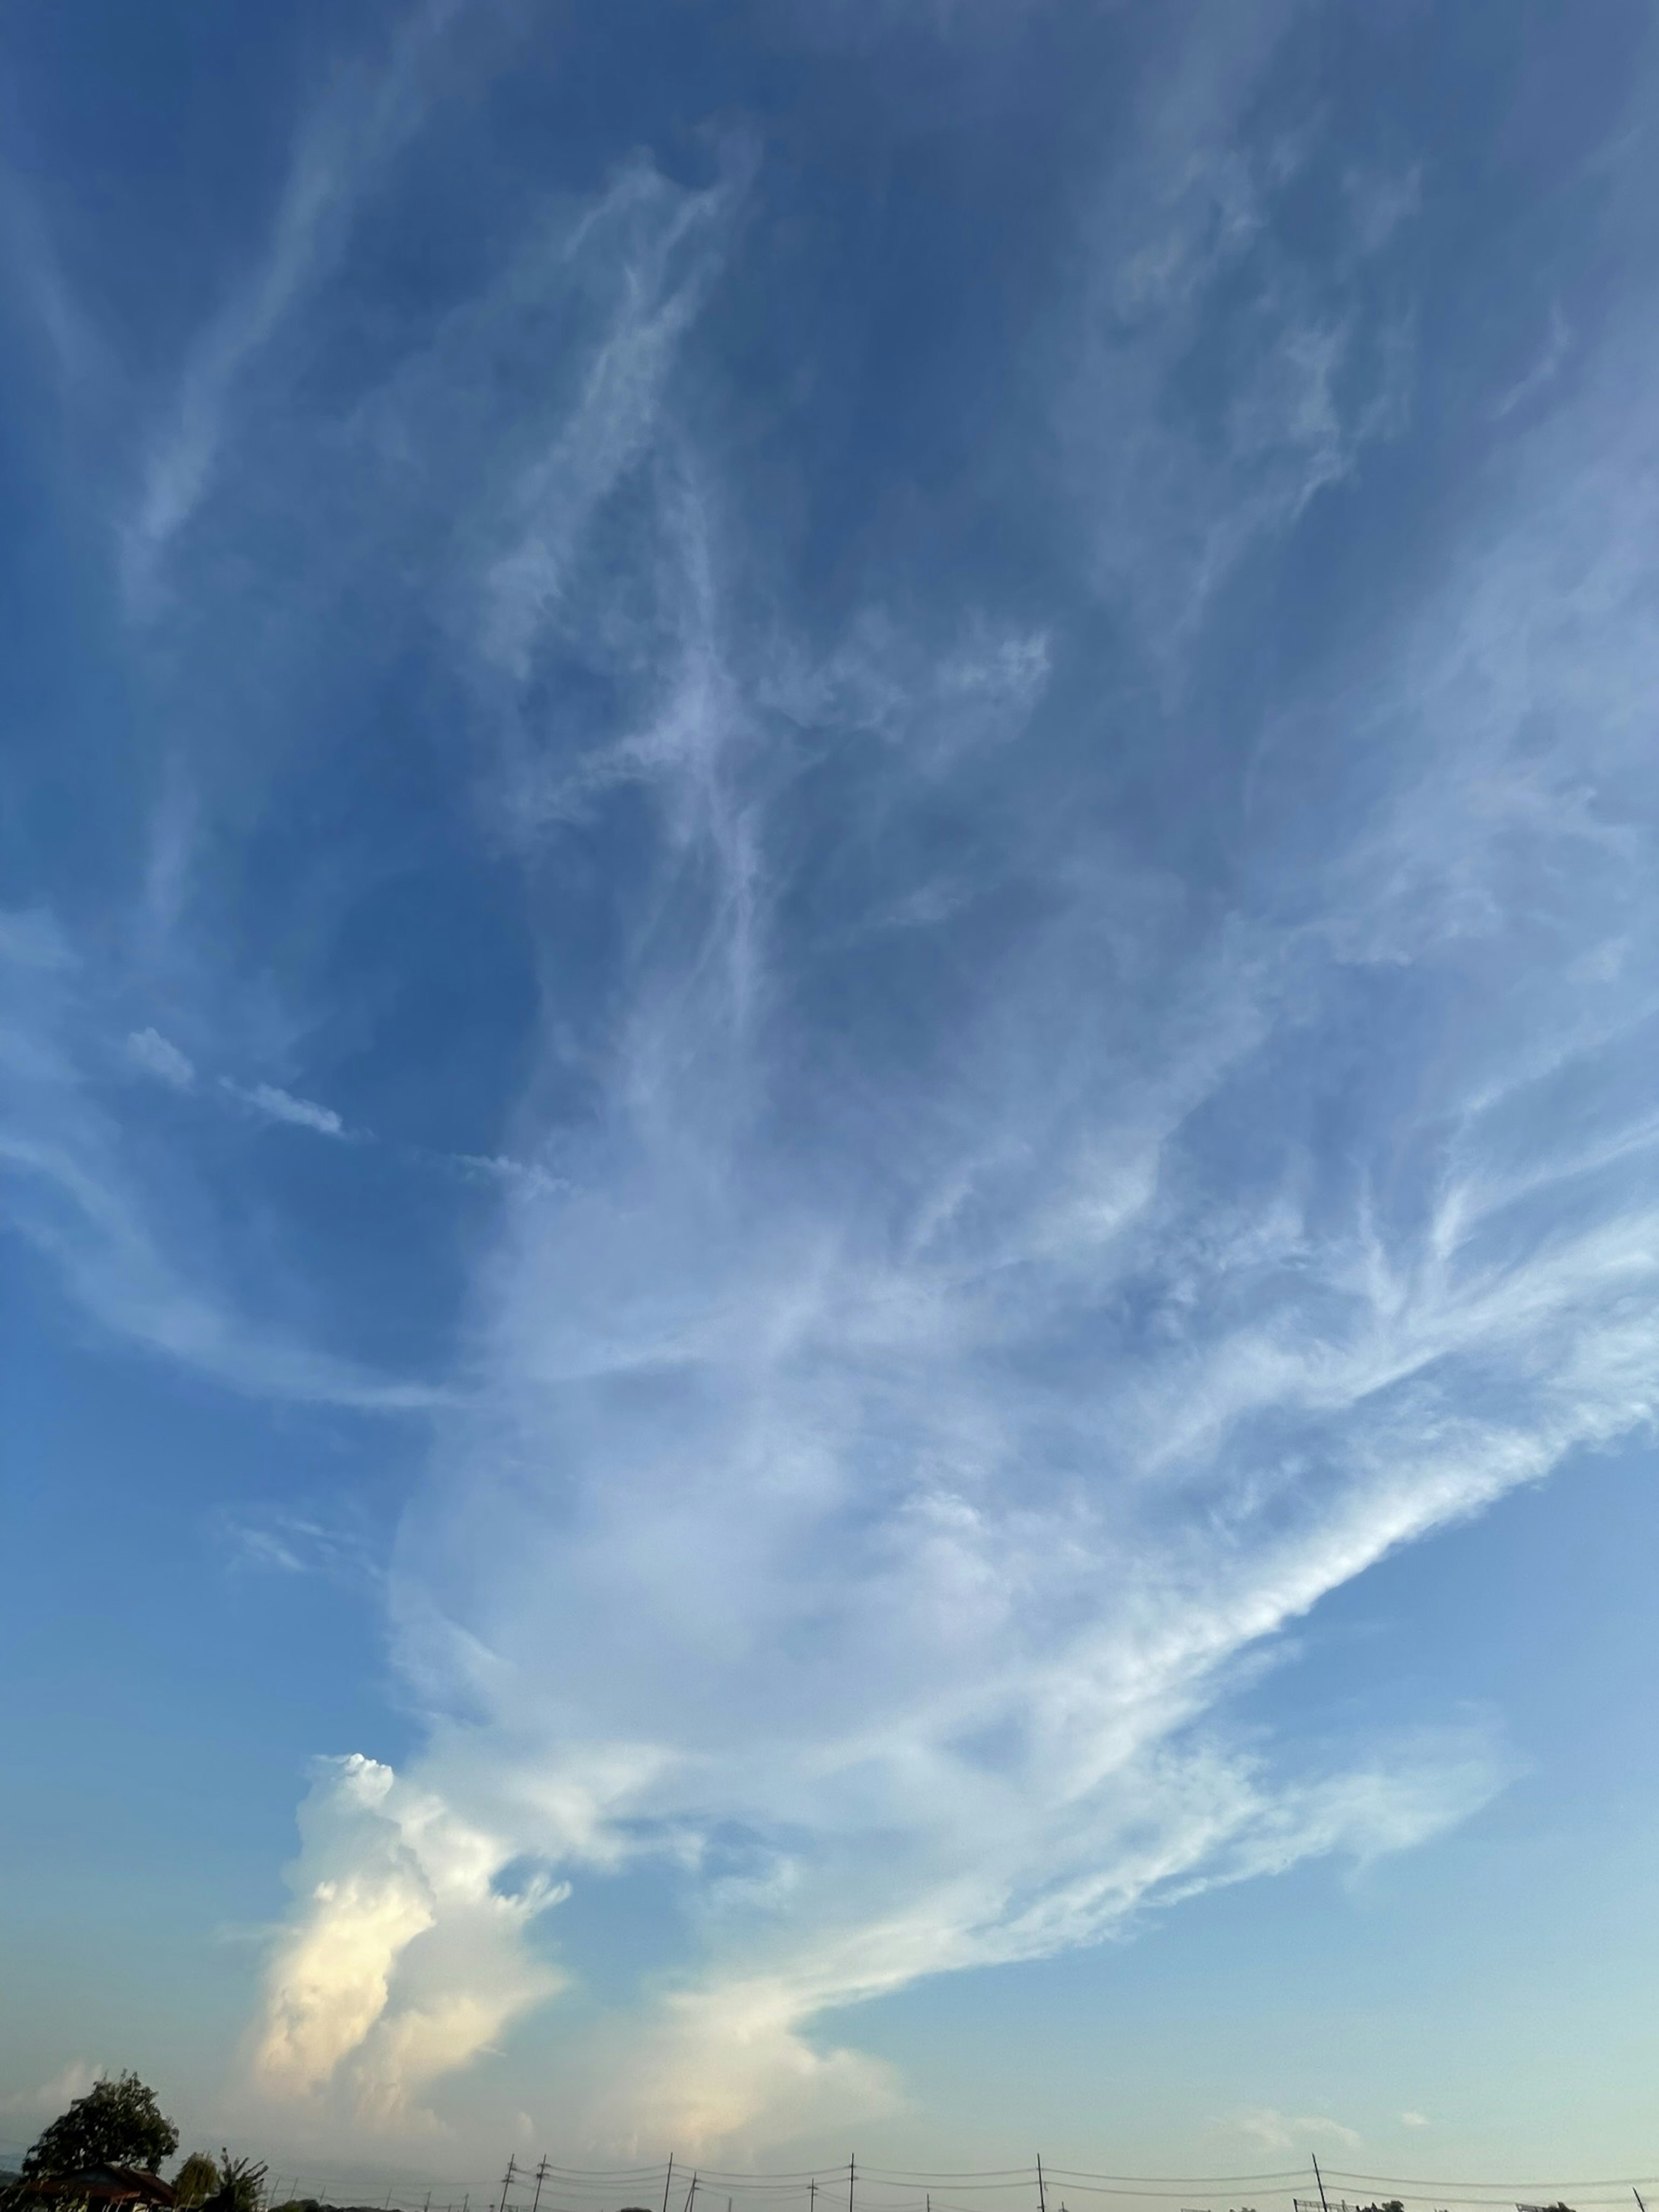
[
  {"x": 117, "y": 2123},
  {"x": 106, "y": 2153},
  {"x": 196, "y": 2180}
]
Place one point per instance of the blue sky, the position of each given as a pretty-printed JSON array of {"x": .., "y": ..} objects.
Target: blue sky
[{"x": 828, "y": 1140}]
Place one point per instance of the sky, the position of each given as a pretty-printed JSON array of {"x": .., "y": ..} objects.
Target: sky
[{"x": 828, "y": 921}]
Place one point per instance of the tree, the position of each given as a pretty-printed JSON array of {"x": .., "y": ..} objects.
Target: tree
[
  {"x": 117, "y": 2123},
  {"x": 240, "y": 2183},
  {"x": 196, "y": 2180}
]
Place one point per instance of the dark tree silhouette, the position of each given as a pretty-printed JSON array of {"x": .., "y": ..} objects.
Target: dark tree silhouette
[
  {"x": 239, "y": 2184},
  {"x": 117, "y": 2123}
]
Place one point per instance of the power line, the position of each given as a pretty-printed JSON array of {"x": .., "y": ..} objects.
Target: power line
[{"x": 586, "y": 2189}]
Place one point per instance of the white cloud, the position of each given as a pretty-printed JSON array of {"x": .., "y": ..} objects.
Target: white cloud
[
  {"x": 170, "y": 858},
  {"x": 1182, "y": 237},
  {"x": 888, "y": 1441},
  {"x": 57, "y": 2094},
  {"x": 656, "y": 247},
  {"x": 289, "y": 1542},
  {"x": 31, "y": 943},
  {"x": 71, "y": 1188},
  {"x": 283, "y": 1106},
  {"x": 150, "y": 1051},
  {"x": 1381, "y": 200},
  {"x": 1276, "y": 2131},
  {"x": 342, "y": 149},
  {"x": 891, "y": 1474},
  {"x": 402, "y": 1953},
  {"x": 330, "y": 1980},
  {"x": 1557, "y": 349},
  {"x": 499, "y": 1167},
  {"x": 1414, "y": 2120},
  {"x": 78, "y": 352}
]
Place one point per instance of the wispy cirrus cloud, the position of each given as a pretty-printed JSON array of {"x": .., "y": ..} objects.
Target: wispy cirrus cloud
[
  {"x": 346, "y": 141},
  {"x": 78, "y": 1191},
  {"x": 1178, "y": 477},
  {"x": 279, "y": 1105},
  {"x": 1028, "y": 1168},
  {"x": 155, "y": 1055},
  {"x": 938, "y": 1425},
  {"x": 286, "y": 1540},
  {"x": 1276, "y": 2131}
]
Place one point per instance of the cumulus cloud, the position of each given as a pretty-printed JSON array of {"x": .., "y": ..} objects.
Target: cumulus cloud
[{"x": 402, "y": 1953}]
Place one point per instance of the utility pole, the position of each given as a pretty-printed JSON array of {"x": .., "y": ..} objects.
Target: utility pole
[
  {"x": 666, "y": 2178},
  {"x": 506, "y": 2179},
  {"x": 691, "y": 2193},
  {"x": 1042, "y": 2193},
  {"x": 852, "y": 2176},
  {"x": 1637, "y": 2194},
  {"x": 541, "y": 2176},
  {"x": 1320, "y": 2178}
]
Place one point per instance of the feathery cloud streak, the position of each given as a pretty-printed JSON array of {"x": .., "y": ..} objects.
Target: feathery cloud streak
[
  {"x": 348, "y": 141},
  {"x": 1041, "y": 1150},
  {"x": 946, "y": 1361}
]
